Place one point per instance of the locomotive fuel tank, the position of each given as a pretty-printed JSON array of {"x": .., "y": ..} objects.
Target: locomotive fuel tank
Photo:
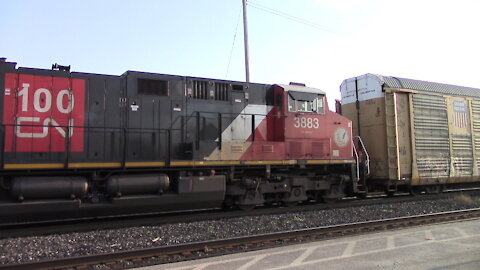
[
  {"x": 49, "y": 187},
  {"x": 119, "y": 185}
]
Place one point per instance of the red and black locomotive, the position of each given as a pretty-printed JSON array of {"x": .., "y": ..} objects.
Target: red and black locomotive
[{"x": 87, "y": 144}]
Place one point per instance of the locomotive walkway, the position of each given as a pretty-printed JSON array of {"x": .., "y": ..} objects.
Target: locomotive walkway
[{"x": 447, "y": 246}]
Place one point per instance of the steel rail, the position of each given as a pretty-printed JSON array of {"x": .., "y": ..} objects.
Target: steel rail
[
  {"x": 153, "y": 219},
  {"x": 245, "y": 243}
]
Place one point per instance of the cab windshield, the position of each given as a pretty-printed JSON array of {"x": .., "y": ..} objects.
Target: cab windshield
[{"x": 305, "y": 102}]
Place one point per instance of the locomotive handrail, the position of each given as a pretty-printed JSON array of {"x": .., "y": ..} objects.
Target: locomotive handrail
[
  {"x": 193, "y": 114},
  {"x": 2, "y": 144},
  {"x": 364, "y": 150},
  {"x": 356, "y": 161},
  {"x": 124, "y": 132},
  {"x": 86, "y": 127},
  {"x": 67, "y": 151}
]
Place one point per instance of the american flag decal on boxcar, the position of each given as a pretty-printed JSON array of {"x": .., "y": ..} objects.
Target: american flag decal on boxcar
[{"x": 460, "y": 117}]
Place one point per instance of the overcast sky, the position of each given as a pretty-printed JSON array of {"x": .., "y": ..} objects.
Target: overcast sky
[{"x": 431, "y": 40}]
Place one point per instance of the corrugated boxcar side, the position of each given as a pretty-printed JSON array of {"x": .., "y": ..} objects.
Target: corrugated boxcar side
[
  {"x": 475, "y": 112},
  {"x": 461, "y": 140},
  {"x": 426, "y": 137},
  {"x": 443, "y": 139}
]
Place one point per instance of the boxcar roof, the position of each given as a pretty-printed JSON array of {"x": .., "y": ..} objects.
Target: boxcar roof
[{"x": 440, "y": 88}]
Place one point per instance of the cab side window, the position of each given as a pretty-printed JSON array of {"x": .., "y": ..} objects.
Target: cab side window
[
  {"x": 278, "y": 102},
  {"x": 292, "y": 107},
  {"x": 320, "y": 105}
]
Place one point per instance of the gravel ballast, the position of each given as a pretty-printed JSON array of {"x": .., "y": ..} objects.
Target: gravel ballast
[{"x": 25, "y": 249}]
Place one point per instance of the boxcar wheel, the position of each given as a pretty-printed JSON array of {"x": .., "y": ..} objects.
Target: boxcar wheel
[
  {"x": 434, "y": 189},
  {"x": 415, "y": 191},
  {"x": 361, "y": 195},
  {"x": 390, "y": 193}
]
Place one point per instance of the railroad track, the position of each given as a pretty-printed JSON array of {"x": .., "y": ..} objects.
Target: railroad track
[
  {"x": 88, "y": 224},
  {"x": 189, "y": 251}
]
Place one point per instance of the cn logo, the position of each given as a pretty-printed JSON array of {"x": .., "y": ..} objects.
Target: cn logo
[
  {"x": 41, "y": 113},
  {"x": 21, "y": 122}
]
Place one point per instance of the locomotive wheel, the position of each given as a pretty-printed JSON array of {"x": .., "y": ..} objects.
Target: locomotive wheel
[
  {"x": 333, "y": 194},
  {"x": 330, "y": 200},
  {"x": 227, "y": 204},
  {"x": 246, "y": 207},
  {"x": 290, "y": 204}
]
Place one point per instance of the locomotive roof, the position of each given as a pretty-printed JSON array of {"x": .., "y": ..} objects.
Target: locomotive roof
[
  {"x": 440, "y": 88},
  {"x": 299, "y": 88}
]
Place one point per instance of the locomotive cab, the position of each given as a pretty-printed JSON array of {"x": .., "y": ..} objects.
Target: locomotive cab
[{"x": 306, "y": 125}]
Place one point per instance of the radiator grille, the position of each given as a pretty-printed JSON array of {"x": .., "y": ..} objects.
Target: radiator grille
[
  {"x": 296, "y": 150},
  {"x": 236, "y": 148},
  {"x": 200, "y": 89},
  {"x": 320, "y": 149},
  {"x": 268, "y": 148},
  {"x": 221, "y": 91}
]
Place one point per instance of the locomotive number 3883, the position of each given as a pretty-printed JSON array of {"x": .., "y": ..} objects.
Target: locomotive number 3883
[{"x": 305, "y": 122}]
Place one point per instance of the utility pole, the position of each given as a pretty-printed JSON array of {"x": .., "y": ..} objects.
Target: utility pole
[{"x": 245, "y": 40}]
